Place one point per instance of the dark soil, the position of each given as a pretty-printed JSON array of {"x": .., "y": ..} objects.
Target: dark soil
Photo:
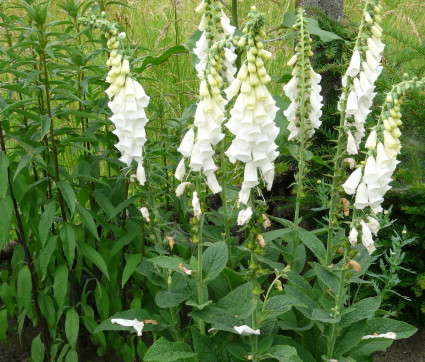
[{"x": 405, "y": 350}]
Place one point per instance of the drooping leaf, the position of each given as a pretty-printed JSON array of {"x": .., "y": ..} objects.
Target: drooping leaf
[
  {"x": 68, "y": 194},
  {"x": 6, "y": 207},
  {"x": 87, "y": 220},
  {"x": 162, "y": 58},
  {"x": 46, "y": 220},
  {"x": 60, "y": 285},
  {"x": 72, "y": 326},
  {"x": 132, "y": 262},
  {"x": 4, "y": 179},
  {"x": 284, "y": 353},
  {"x": 24, "y": 289},
  {"x": 94, "y": 256},
  {"x": 37, "y": 349},
  {"x": 67, "y": 235}
]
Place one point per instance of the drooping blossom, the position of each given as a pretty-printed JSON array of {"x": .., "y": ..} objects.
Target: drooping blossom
[
  {"x": 216, "y": 57},
  {"x": 137, "y": 325},
  {"x": 388, "y": 335},
  {"x": 252, "y": 118},
  {"x": 128, "y": 101},
  {"x": 360, "y": 77},
  {"x": 246, "y": 330}
]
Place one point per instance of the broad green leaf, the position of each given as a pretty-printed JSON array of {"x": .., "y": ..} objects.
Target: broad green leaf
[
  {"x": 284, "y": 353},
  {"x": 312, "y": 242},
  {"x": 45, "y": 126},
  {"x": 68, "y": 194},
  {"x": 24, "y": 289},
  {"x": 364, "y": 309},
  {"x": 385, "y": 325},
  {"x": 170, "y": 262},
  {"x": 165, "y": 351},
  {"x": 313, "y": 28},
  {"x": 72, "y": 356},
  {"x": 239, "y": 301},
  {"x": 118, "y": 245},
  {"x": 368, "y": 346},
  {"x": 67, "y": 235},
  {"x": 172, "y": 298},
  {"x": 60, "y": 285},
  {"x": 6, "y": 207},
  {"x": 4, "y": 176},
  {"x": 46, "y": 255},
  {"x": 218, "y": 317},
  {"x": 162, "y": 58},
  {"x": 132, "y": 262},
  {"x": 72, "y": 326},
  {"x": 47, "y": 307},
  {"x": 122, "y": 206},
  {"x": 280, "y": 304},
  {"x": 8, "y": 298},
  {"x": 327, "y": 277},
  {"x": 103, "y": 202},
  {"x": 350, "y": 337},
  {"x": 88, "y": 220},
  {"x": 102, "y": 300},
  {"x": 46, "y": 220},
  {"x": 37, "y": 349},
  {"x": 94, "y": 256},
  {"x": 214, "y": 260},
  {"x": 209, "y": 349}
]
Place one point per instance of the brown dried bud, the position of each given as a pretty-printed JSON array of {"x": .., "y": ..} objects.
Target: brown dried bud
[
  {"x": 150, "y": 321},
  {"x": 171, "y": 241},
  {"x": 356, "y": 266},
  {"x": 184, "y": 270},
  {"x": 261, "y": 240},
  {"x": 267, "y": 223}
]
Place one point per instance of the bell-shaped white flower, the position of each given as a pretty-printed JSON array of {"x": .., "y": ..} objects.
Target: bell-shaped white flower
[
  {"x": 367, "y": 239},
  {"x": 351, "y": 144},
  {"x": 354, "y": 234},
  {"x": 246, "y": 330},
  {"x": 187, "y": 142},
  {"x": 145, "y": 213},
  {"x": 180, "y": 170},
  {"x": 354, "y": 67},
  {"x": 362, "y": 199},
  {"x": 180, "y": 188},
  {"x": 350, "y": 186},
  {"x": 371, "y": 140},
  {"x": 373, "y": 224},
  {"x": 388, "y": 335},
  {"x": 197, "y": 212},
  {"x": 137, "y": 325},
  {"x": 244, "y": 216}
]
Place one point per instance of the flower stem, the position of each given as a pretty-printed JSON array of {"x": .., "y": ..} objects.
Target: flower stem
[
  {"x": 200, "y": 250},
  {"x": 254, "y": 282},
  {"x": 301, "y": 155},
  {"x": 339, "y": 153}
]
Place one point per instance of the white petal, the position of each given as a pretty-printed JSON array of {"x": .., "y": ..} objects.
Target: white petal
[{"x": 246, "y": 330}]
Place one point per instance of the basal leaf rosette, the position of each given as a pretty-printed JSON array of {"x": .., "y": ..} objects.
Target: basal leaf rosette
[
  {"x": 215, "y": 26},
  {"x": 252, "y": 117},
  {"x": 370, "y": 182},
  {"x": 361, "y": 75}
]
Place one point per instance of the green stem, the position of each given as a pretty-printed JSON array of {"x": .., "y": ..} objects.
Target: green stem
[
  {"x": 301, "y": 155},
  {"x": 338, "y": 305},
  {"x": 235, "y": 20},
  {"x": 200, "y": 277},
  {"x": 254, "y": 282},
  {"x": 224, "y": 192},
  {"x": 269, "y": 290}
]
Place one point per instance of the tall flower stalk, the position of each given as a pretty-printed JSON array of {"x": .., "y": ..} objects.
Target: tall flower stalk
[
  {"x": 306, "y": 103},
  {"x": 358, "y": 87},
  {"x": 128, "y": 99}
]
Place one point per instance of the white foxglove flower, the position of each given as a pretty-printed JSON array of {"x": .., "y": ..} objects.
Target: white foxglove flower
[
  {"x": 137, "y": 325},
  {"x": 180, "y": 170},
  {"x": 354, "y": 234},
  {"x": 145, "y": 213},
  {"x": 187, "y": 142},
  {"x": 364, "y": 69},
  {"x": 373, "y": 224},
  {"x": 244, "y": 216},
  {"x": 350, "y": 186},
  {"x": 129, "y": 118},
  {"x": 362, "y": 199},
  {"x": 252, "y": 122},
  {"x": 371, "y": 140},
  {"x": 196, "y": 206},
  {"x": 389, "y": 335},
  {"x": 180, "y": 188},
  {"x": 367, "y": 239},
  {"x": 246, "y": 330}
]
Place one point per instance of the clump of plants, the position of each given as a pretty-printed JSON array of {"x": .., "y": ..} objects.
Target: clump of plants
[{"x": 145, "y": 268}]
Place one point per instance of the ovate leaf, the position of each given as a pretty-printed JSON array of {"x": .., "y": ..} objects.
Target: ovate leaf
[
  {"x": 165, "y": 351},
  {"x": 37, "y": 349},
  {"x": 4, "y": 179},
  {"x": 72, "y": 326},
  {"x": 46, "y": 221},
  {"x": 94, "y": 256},
  {"x": 60, "y": 285},
  {"x": 6, "y": 207},
  {"x": 24, "y": 289},
  {"x": 68, "y": 194},
  {"x": 67, "y": 235},
  {"x": 214, "y": 260}
]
